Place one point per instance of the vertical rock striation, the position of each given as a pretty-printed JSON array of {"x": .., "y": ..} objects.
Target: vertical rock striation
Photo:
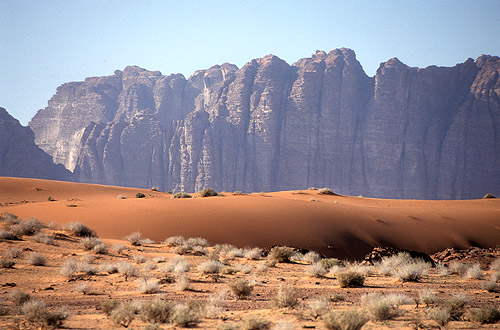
[
  {"x": 405, "y": 133},
  {"x": 21, "y": 157}
]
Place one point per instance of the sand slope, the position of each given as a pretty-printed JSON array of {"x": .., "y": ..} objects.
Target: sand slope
[{"x": 338, "y": 226}]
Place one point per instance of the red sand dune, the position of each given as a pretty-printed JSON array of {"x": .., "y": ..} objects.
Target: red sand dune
[{"x": 337, "y": 226}]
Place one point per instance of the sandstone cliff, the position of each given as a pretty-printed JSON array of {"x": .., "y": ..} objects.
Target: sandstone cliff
[
  {"x": 405, "y": 133},
  {"x": 21, "y": 157}
]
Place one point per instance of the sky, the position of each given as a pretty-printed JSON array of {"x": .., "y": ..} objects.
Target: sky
[{"x": 45, "y": 43}]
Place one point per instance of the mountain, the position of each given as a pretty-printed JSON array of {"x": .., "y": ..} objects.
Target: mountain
[
  {"x": 21, "y": 157},
  {"x": 429, "y": 133}
]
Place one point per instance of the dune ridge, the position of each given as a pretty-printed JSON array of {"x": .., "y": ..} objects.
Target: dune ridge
[{"x": 336, "y": 226}]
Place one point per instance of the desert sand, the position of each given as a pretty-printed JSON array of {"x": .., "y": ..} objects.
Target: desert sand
[
  {"x": 335, "y": 226},
  {"x": 341, "y": 226}
]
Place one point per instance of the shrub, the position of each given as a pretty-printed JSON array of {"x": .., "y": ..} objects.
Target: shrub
[
  {"x": 118, "y": 248},
  {"x": 124, "y": 314},
  {"x": 174, "y": 241},
  {"x": 90, "y": 242},
  {"x": 4, "y": 263},
  {"x": 83, "y": 288},
  {"x": 256, "y": 323},
  {"x": 316, "y": 270},
  {"x": 287, "y": 296},
  {"x": 428, "y": 298},
  {"x": 7, "y": 235},
  {"x": 148, "y": 285},
  {"x": 13, "y": 253},
  {"x": 317, "y": 308},
  {"x": 181, "y": 194},
  {"x": 213, "y": 307},
  {"x": 328, "y": 263},
  {"x": 35, "y": 259},
  {"x": 349, "y": 279},
  {"x": 108, "y": 306},
  {"x": 285, "y": 326},
  {"x": 197, "y": 241},
  {"x": 440, "y": 315},
  {"x": 458, "y": 268},
  {"x": 335, "y": 297},
  {"x": 474, "y": 272},
  {"x": 177, "y": 264},
  {"x": 45, "y": 239},
  {"x": 252, "y": 254},
  {"x": 19, "y": 297},
  {"x": 241, "y": 289},
  {"x": 109, "y": 268},
  {"x": 495, "y": 277},
  {"x": 79, "y": 229},
  {"x": 489, "y": 195},
  {"x": 495, "y": 265},
  {"x": 122, "y": 197},
  {"x": 455, "y": 306},
  {"x": 490, "y": 286},
  {"x": 486, "y": 314},
  {"x": 411, "y": 272},
  {"x": 208, "y": 192},
  {"x": 210, "y": 267},
  {"x": 325, "y": 191},
  {"x": 244, "y": 269},
  {"x": 281, "y": 253},
  {"x": 36, "y": 312},
  {"x": 135, "y": 239},
  {"x": 30, "y": 226},
  {"x": 156, "y": 311},
  {"x": 127, "y": 270},
  {"x": 69, "y": 267},
  {"x": 184, "y": 316},
  {"x": 140, "y": 195},
  {"x": 138, "y": 259},
  {"x": 379, "y": 307},
  {"x": 311, "y": 257},
  {"x": 87, "y": 268},
  {"x": 182, "y": 282},
  {"x": 345, "y": 320},
  {"x": 9, "y": 218}
]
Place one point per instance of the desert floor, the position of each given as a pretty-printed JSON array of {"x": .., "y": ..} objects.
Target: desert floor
[{"x": 336, "y": 226}]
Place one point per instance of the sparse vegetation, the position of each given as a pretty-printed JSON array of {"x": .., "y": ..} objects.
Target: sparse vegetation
[
  {"x": 286, "y": 296},
  {"x": 349, "y": 279},
  {"x": 35, "y": 259},
  {"x": 281, "y": 253},
  {"x": 256, "y": 323},
  {"x": 486, "y": 314},
  {"x": 325, "y": 191},
  {"x": 241, "y": 288},
  {"x": 345, "y": 320},
  {"x": 124, "y": 313},
  {"x": 156, "y": 311},
  {"x": 79, "y": 229},
  {"x": 140, "y": 195},
  {"x": 181, "y": 194},
  {"x": 208, "y": 192},
  {"x": 35, "y": 311},
  {"x": 210, "y": 267}
]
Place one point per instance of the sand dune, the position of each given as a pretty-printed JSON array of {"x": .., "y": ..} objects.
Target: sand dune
[{"x": 337, "y": 226}]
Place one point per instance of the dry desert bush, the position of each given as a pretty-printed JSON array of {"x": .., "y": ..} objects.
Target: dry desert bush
[
  {"x": 79, "y": 229},
  {"x": 241, "y": 289},
  {"x": 208, "y": 192},
  {"x": 351, "y": 319},
  {"x": 181, "y": 194}
]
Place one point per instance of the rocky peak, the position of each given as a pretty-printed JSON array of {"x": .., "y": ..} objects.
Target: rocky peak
[{"x": 20, "y": 157}]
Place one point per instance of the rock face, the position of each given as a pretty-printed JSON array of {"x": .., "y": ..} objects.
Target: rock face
[
  {"x": 21, "y": 157},
  {"x": 428, "y": 133}
]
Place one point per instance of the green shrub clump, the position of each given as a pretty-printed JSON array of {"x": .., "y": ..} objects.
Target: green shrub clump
[{"x": 208, "y": 192}]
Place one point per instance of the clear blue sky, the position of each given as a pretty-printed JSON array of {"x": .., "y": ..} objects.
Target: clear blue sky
[{"x": 46, "y": 43}]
